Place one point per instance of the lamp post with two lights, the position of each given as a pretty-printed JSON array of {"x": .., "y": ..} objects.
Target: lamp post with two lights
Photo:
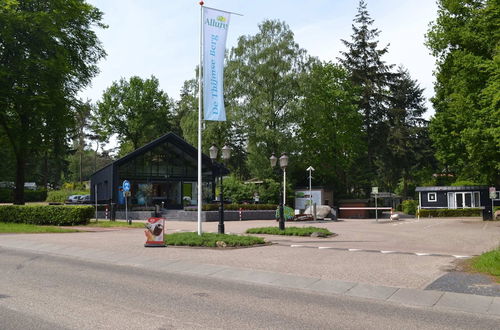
[
  {"x": 226, "y": 154},
  {"x": 283, "y": 164}
]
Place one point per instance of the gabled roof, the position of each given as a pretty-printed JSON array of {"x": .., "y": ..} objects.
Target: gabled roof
[{"x": 174, "y": 139}]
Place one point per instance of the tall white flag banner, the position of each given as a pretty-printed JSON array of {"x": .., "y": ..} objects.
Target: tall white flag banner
[{"x": 215, "y": 26}]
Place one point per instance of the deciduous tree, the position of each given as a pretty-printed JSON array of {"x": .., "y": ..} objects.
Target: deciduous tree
[
  {"x": 465, "y": 39},
  {"x": 48, "y": 52}
]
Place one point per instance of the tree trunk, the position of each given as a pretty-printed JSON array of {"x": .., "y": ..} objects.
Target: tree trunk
[{"x": 20, "y": 168}]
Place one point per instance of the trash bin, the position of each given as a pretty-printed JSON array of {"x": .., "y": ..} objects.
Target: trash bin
[{"x": 487, "y": 213}]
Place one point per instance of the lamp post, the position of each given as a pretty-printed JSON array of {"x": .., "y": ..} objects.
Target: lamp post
[
  {"x": 226, "y": 154},
  {"x": 283, "y": 164}
]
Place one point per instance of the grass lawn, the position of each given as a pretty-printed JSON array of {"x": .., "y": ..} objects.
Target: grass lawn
[
  {"x": 488, "y": 263},
  {"x": 289, "y": 231},
  {"x": 210, "y": 240},
  {"x": 7, "y": 227},
  {"x": 108, "y": 224}
]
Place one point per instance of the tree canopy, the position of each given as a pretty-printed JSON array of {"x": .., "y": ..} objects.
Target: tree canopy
[
  {"x": 48, "y": 52},
  {"x": 137, "y": 110},
  {"x": 465, "y": 39}
]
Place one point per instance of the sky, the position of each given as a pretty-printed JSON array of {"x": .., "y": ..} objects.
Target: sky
[{"x": 161, "y": 37}]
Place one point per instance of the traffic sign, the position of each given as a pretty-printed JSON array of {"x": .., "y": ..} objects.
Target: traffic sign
[
  {"x": 126, "y": 185},
  {"x": 493, "y": 192}
]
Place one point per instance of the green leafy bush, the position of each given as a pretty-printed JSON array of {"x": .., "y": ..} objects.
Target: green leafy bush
[
  {"x": 450, "y": 213},
  {"x": 289, "y": 231},
  {"x": 268, "y": 191},
  {"x": 59, "y": 196},
  {"x": 210, "y": 239},
  {"x": 7, "y": 195},
  {"x": 410, "y": 206},
  {"x": 58, "y": 215}
]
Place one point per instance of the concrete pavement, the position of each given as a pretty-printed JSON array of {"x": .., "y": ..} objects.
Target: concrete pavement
[{"x": 389, "y": 276}]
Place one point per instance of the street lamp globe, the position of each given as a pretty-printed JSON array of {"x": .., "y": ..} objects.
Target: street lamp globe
[
  {"x": 273, "y": 160},
  {"x": 226, "y": 153},
  {"x": 213, "y": 152},
  {"x": 283, "y": 161}
]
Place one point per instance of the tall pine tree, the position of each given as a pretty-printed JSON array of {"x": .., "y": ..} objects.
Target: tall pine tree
[{"x": 363, "y": 59}]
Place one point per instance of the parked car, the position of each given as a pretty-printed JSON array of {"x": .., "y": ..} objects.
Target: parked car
[
  {"x": 73, "y": 199},
  {"x": 84, "y": 199}
]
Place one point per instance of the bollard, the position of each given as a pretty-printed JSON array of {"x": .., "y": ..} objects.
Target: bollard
[
  {"x": 106, "y": 213},
  {"x": 314, "y": 211},
  {"x": 240, "y": 213}
]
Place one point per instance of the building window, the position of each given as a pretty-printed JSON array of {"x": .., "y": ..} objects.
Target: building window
[{"x": 431, "y": 197}]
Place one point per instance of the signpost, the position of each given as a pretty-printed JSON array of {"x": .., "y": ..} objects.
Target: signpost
[
  {"x": 493, "y": 195},
  {"x": 375, "y": 192},
  {"x": 95, "y": 192},
  {"x": 310, "y": 169},
  {"x": 126, "y": 193}
]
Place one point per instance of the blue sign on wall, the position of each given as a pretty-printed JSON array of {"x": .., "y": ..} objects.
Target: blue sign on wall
[{"x": 126, "y": 185}]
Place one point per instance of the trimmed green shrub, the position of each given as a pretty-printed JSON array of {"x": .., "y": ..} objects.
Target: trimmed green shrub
[
  {"x": 410, "y": 206},
  {"x": 233, "y": 207},
  {"x": 7, "y": 195},
  {"x": 57, "y": 215},
  {"x": 59, "y": 196},
  {"x": 289, "y": 231},
  {"x": 450, "y": 213},
  {"x": 211, "y": 239}
]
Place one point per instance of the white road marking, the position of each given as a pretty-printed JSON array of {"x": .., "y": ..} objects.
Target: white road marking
[
  {"x": 422, "y": 254},
  {"x": 325, "y": 247},
  {"x": 354, "y": 250},
  {"x": 387, "y": 251},
  {"x": 461, "y": 257},
  {"x": 294, "y": 245}
]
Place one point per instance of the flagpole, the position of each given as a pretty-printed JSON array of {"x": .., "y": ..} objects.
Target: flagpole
[{"x": 200, "y": 183}]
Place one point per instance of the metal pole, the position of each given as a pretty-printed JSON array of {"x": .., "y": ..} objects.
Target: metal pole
[
  {"x": 126, "y": 208},
  {"x": 95, "y": 192},
  {"x": 199, "y": 120},
  {"x": 310, "y": 187},
  {"x": 282, "y": 216},
  {"x": 284, "y": 185},
  {"x": 376, "y": 211},
  {"x": 221, "y": 208}
]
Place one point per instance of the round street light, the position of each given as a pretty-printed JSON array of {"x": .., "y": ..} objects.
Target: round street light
[
  {"x": 213, "y": 152},
  {"x": 226, "y": 153},
  {"x": 273, "y": 160},
  {"x": 283, "y": 161}
]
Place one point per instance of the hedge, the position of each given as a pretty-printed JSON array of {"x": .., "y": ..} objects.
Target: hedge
[
  {"x": 7, "y": 195},
  {"x": 233, "y": 207},
  {"x": 450, "y": 213},
  {"x": 56, "y": 215},
  {"x": 60, "y": 196}
]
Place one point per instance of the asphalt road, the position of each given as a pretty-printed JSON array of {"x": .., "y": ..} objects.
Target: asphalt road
[{"x": 48, "y": 292}]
